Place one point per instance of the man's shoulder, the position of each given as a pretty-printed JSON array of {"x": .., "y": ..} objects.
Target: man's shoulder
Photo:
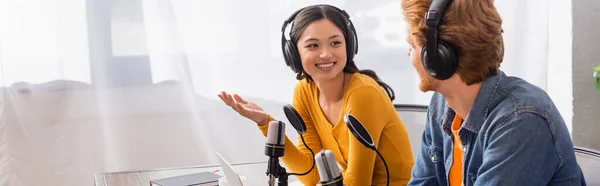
[
  {"x": 515, "y": 96},
  {"x": 518, "y": 103},
  {"x": 525, "y": 93},
  {"x": 511, "y": 98}
]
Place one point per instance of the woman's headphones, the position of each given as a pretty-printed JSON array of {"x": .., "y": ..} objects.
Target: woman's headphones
[
  {"x": 290, "y": 51},
  {"x": 438, "y": 56}
]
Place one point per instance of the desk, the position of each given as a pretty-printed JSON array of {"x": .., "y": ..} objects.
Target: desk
[{"x": 253, "y": 171}]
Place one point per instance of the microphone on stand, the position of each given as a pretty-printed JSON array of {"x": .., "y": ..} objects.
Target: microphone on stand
[
  {"x": 274, "y": 148},
  {"x": 328, "y": 169},
  {"x": 296, "y": 121},
  {"x": 363, "y": 136}
]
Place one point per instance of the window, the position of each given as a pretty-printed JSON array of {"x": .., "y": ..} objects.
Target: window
[{"x": 41, "y": 41}]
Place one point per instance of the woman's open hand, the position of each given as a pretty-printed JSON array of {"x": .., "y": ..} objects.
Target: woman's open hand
[{"x": 245, "y": 108}]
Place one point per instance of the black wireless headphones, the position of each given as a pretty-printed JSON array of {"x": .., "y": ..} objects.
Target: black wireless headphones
[
  {"x": 438, "y": 56},
  {"x": 290, "y": 51}
]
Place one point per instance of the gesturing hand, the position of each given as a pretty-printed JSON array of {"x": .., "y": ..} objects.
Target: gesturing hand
[{"x": 245, "y": 108}]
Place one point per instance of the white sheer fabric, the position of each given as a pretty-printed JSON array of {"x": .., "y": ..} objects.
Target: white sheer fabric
[{"x": 91, "y": 86}]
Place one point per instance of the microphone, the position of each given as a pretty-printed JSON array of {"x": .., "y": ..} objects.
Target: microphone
[
  {"x": 275, "y": 139},
  {"x": 328, "y": 169},
  {"x": 296, "y": 120},
  {"x": 274, "y": 148},
  {"x": 363, "y": 136}
]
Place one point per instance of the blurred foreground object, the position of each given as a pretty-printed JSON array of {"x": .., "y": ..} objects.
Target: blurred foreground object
[{"x": 597, "y": 77}]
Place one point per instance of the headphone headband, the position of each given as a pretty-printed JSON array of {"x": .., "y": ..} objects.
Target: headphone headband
[
  {"x": 349, "y": 24},
  {"x": 433, "y": 18},
  {"x": 290, "y": 19}
]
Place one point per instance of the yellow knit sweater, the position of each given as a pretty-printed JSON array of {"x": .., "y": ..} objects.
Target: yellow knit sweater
[{"x": 360, "y": 166}]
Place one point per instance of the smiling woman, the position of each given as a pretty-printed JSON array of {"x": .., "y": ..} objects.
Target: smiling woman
[
  {"x": 324, "y": 38},
  {"x": 321, "y": 53}
]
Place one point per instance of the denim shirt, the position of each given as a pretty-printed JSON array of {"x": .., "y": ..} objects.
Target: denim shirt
[{"x": 513, "y": 135}]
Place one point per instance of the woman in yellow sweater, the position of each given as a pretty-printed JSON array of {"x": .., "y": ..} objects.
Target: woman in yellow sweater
[{"x": 321, "y": 51}]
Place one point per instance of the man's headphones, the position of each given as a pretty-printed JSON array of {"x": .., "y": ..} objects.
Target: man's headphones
[
  {"x": 290, "y": 51},
  {"x": 438, "y": 56}
]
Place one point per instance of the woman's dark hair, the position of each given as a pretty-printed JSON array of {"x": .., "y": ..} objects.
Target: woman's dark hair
[{"x": 318, "y": 12}]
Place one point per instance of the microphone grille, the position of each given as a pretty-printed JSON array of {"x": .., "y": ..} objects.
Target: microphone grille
[
  {"x": 276, "y": 133},
  {"x": 327, "y": 166}
]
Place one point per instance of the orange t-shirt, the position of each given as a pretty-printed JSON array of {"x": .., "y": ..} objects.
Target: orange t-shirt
[{"x": 455, "y": 177}]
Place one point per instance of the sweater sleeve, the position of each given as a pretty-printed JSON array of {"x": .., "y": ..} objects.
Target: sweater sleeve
[
  {"x": 365, "y": 104},
  {"x": 298, "y": 159}
]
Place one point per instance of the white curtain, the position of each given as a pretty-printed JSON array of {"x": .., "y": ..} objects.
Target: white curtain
[{"x": 90, "y": 86}]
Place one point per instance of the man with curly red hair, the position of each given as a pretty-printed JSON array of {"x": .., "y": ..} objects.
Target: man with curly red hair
[{"x": 483, "y": 127}]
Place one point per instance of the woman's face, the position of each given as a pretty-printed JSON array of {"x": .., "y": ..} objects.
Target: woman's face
[{"x": 322, "y": 50}]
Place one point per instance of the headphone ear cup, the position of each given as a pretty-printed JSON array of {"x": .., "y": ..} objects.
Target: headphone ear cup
[
  {"x": 351, "y": 45},
  {"x": 291, "y": 56},
  {"x": 430, "y": 66},
  {"x": 448, "y": 59},
  {"x": 446, "y": 64}
]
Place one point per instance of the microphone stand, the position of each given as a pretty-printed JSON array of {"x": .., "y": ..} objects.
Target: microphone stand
[
  {"x": 282, "y": 180},
  {"x": 281, "y": 174}
]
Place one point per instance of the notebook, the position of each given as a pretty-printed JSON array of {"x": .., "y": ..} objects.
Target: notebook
[{"x": 197, "y": 179}]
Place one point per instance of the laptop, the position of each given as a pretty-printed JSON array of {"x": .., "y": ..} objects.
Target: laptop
[{"x": 230, "y": 174}]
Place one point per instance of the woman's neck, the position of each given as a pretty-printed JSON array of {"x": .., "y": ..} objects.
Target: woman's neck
[{"x": 332, "y": 91}]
